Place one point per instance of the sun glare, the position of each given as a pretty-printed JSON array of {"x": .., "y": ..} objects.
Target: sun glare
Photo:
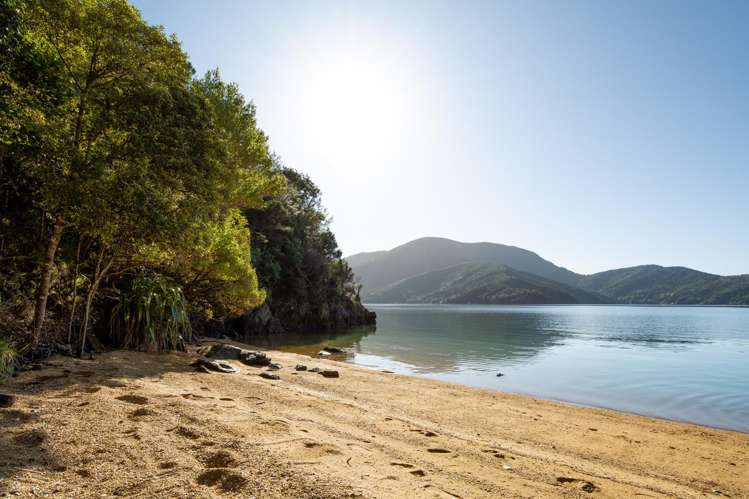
[{"x": 356, "y": 104}]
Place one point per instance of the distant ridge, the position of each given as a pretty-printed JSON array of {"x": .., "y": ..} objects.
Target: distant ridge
[
  {"x": 482, "y": 284},
  {"x": 433, "y": 269}
]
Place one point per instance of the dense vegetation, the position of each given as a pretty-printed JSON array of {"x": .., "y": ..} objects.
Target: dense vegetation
[
  {"x": 311, "y": 288},
  {"x": 653, "y": 284},
  {"x": 434, "y": 270},
  {"x": 482, "y": 284},
  {"x": 127, "y": 185}
]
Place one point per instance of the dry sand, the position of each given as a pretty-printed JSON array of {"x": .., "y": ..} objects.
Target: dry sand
[{"x": 141, "y": 425}]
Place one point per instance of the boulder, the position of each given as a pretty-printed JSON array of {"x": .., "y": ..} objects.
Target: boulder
[
  {"x": 268, "y": 375},
  {"x": 205, "y": 364},
  {"x": 255, "y": 359},
  {"x": 330, "y": 374},
  {"x": 225, "y": 352},
  {"x": 7, "y": 400}
]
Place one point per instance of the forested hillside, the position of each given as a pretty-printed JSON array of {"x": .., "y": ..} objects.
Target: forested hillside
[
  {"x": 653, "y": 284},
  {"x": 434, "y": 270},
  {"x": 378, "y": 270},
  {"x": 129, "y": 187},
  {"x": 482, "y": 284}
]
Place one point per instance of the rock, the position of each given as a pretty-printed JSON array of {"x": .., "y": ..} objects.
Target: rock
[
  {"x": 225, "y": 352},
  {"x": 334, "y": 350},
  {"x": 273, "y": 366},
  {"x": 323, "y": 353},
  {"x": 300, "y": 367},
  {"x": 63, "y": 349},
  {"x": 7, "y": 400},
  {"x": 268, "y": 375},
  {"x": 315, "y": 370},
  {"x": 255, "y": 359},
  {"x": 204, "y": 363},
  {"x": 330, "y": 374},
  {"x": 499, "y": 375}
]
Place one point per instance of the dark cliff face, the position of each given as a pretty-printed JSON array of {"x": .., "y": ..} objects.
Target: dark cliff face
[{"x": 301, "y": 317}]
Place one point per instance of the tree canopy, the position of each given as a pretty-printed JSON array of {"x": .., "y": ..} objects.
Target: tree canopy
[{"x": 125, "y": 177}]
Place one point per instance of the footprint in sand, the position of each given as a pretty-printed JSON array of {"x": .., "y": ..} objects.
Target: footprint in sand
[
  {"x": 142, "y": 412},
  {"x": 418, "y": 473},
  {"x": 133, "y": 399},
  {"x": 167, "y": 465},
  {"x": 586, "y": 486},
  {"x": 33, "y": 438},
  {"x": 438, "y": 451},
  {"x": 426, "y": 433},
  {"x": 317, "y": 449},
  {"x": 185, "y": 432},
  {"x": 402, "y": 465},
  {"x": 219, "y": 459},
  {"x": 113, "y": 383},
  {"x": 224, "y": 479},
  {"x": 227, "y": 399}
]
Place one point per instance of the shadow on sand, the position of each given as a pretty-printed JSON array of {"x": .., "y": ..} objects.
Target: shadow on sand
[{"x": 25, "y": 443}]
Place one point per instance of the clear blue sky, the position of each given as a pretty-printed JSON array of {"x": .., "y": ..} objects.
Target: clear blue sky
[{"x": 598, "y": 134}]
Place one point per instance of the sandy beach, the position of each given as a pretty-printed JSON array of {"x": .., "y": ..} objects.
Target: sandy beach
[{"x": 142, "y": 425}]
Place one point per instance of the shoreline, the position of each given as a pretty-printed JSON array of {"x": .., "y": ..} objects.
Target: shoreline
[
  {"x": 308, "y": 351},
  {"x": 366, "y": 434}
]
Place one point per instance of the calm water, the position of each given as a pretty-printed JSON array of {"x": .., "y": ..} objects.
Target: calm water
[{"x": 684, "y": 363}]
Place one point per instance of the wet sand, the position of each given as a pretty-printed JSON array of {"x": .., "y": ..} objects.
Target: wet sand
[{"x": 143, "y": 425}]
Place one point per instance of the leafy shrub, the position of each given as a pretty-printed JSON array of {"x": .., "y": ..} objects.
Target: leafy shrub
[
  {"x": 8, "y": 356},
  {"x": 152, "y": 315}
]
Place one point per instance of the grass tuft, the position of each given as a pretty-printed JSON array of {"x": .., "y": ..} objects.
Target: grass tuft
[{"x": 152, "y": 315}]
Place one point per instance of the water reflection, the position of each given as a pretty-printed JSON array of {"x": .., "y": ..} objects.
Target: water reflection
[
  {"x": 311, "y": 343},
  {"x": 677, "y": 362},
  {"x": 445, "y": 339}
]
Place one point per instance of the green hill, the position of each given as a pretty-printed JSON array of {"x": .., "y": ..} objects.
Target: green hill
[
  {"x": 436, "y": 270},
  {"x": 482, "y": 284},
  {"x": 377, "y": 270},
  {"x": 653, "y": 284}
]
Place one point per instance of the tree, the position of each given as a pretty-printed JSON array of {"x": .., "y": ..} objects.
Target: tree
[{"x": 106, "y": 53}]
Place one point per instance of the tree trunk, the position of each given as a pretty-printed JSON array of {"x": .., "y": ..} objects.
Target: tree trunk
[
  {"x": 40, "y": 310},
  {"x": 75, "y": 295},
  {"x": 99, "y": 275}
]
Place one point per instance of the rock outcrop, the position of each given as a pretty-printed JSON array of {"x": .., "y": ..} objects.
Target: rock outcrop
[{"x": 290, "y": 316}]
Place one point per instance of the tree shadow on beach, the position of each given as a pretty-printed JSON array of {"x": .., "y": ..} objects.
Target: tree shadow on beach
[{"x": 26, "y": 440}]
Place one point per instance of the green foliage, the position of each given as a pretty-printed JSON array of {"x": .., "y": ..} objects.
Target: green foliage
[
  {"x": 7, "y": 359},
  {"x": 152, "y": 315},
  {"x": 105, "y": 135},
  {"x": 297, "y": 256},
  {"x": 214, "y": 263},
  {"x": 118, "y": 167}
]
